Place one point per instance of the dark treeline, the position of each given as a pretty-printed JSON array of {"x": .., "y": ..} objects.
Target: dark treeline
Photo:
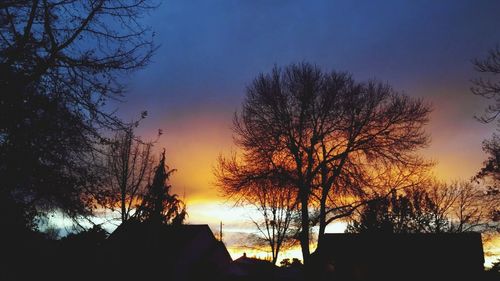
[{"x": 61, "y": 63}]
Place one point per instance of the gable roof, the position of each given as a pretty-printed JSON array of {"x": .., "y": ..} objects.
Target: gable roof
[
  {"x": 177, "y": 251},
  {"x": 248, "y": 267},
  {"x": 152, "y": 233}
]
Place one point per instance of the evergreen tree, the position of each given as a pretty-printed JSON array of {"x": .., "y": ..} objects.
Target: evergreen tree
[{"x": 158, "y": 205}]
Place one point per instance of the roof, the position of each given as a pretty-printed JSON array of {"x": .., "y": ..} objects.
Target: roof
[
  {"x": 249, "y": 267},
  {"x": 151, "y": 233},
  {"x": 252, "y": 261},
  {"x": 179, "y": 250},
  {"x": 420, "y": 254}
]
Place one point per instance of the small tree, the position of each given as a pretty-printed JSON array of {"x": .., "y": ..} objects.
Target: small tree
[
  {"x": 287, "y": 263},
  {"x": 474, "y": 208},
  {"x": 158, "y": 205},
  {"x": 274, "y": 199},
  {"x": 130, "y": 167},
  {"x": 278, "y": 209}
]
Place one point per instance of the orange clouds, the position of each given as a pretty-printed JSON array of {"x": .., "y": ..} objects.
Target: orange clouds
[{"x": 194, "y": 140}]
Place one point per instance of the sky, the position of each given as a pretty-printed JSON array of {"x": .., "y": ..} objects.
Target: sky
[{"x": 209, "y": 51}]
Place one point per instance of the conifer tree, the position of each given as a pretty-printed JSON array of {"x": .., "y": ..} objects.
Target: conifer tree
[{"x": 158, "y": 205}]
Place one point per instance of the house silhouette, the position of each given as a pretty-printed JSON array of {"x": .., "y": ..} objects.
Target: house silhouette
[
  {"x": 150, "y": 250},
  {"x": 247, "y": 268},
  {"x": 356, "y": 257}
]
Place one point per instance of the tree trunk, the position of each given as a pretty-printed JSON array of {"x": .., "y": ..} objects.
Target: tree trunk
[
  {"x": 276, "y": 253},
  {"x": 325, "y": 188},
  {"x": 322, "y": 217},
  {"x": 304, "y": 235},
  {"x": 123, "y": 207}
]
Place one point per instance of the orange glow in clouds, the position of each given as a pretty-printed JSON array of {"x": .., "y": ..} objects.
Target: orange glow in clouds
[{"x": 193, "y": 144}]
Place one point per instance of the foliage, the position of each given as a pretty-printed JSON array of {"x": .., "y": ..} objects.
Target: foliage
[
  {"x": 158, "y": 205},
  {"x": 413, "y": 212},
  {"x": 287, "y": 263},
  {"x": 491, "y": 166},
  {"x": 60, "y": 63},
  {"x": 489, "y": 175},
  {"x": 91, "y": 237},
  {"x": 431, "y": 208}
]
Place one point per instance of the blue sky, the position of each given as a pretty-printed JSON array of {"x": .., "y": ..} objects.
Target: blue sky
[{"x": 210, "y": 50}]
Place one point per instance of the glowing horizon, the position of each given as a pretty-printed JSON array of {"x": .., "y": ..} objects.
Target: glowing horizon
[{"x": 198, "y": 76}]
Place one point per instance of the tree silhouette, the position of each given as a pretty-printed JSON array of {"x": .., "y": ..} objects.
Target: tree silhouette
[
  {"x": 430, "y": 208},
  {"x": 413, "y": 212},
  {"x": 60, "y": 63},
  {"x": 275, "y": 200},
  {"x": 474, "y": 208},
  {"x": 277, "y": 228},
  {"x": 488, "y": 88},
  {"x": 287, "y": 263},
  {"x": 158, "y": 205},
  {"x": 130, "y": 167},
  {"x": 325, "y": 134},
  {"x": 496, "y": 267}
]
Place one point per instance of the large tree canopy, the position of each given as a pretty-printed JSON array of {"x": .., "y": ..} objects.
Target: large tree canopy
[
  {"x": 323, "y": 133},
  {"x": 60, "y": 62}
]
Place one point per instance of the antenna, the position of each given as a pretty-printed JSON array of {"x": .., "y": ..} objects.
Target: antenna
[{"x": 220, "y": 232}]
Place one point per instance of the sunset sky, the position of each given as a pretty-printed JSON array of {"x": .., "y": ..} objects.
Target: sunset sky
[{"x": 209, "y": 51}]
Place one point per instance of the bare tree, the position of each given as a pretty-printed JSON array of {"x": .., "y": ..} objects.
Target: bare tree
[
  {"x": 474, "y": 208},
  {"x": 277, "y": 228},
  {"x": 488, "y": 88},
  {"x": 431, "y": 207},
  {"x": 274, "y": 199},
  {"x": 324, "y": 133},
  {"x": 130, "y": 167}
]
